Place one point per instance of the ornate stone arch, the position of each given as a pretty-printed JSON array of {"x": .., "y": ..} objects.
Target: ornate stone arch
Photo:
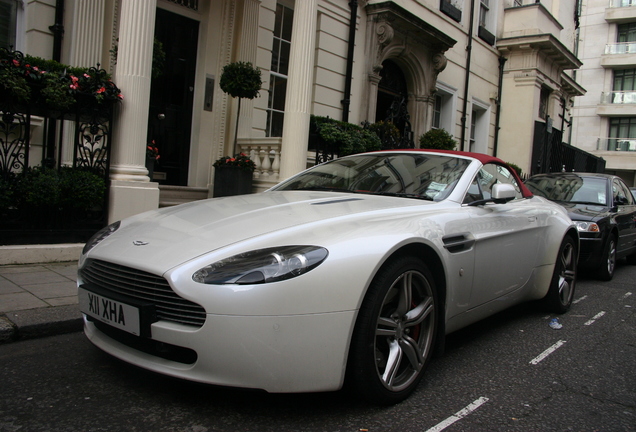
[{"x": 395, "y": 34}]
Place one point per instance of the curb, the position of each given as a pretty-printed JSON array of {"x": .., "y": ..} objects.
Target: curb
[{"x": 42, "y": 322}]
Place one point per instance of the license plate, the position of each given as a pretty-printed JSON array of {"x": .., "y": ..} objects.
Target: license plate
[{"x": 114, "y": 313}]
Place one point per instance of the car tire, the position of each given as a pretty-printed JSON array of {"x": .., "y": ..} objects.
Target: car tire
[
  {"x": 395, "y": 332},
  {"x": 631, "y": 259},
  {"x": 561, "y": 292},
  {"x": 608, "y": 261}
]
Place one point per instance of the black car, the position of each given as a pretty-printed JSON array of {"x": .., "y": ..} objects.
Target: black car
[{"x": 604, "y": 211}]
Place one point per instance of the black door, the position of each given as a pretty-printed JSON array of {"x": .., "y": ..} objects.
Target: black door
[
  {"x": 392, "y": 102},
  {"x": 171, "y": 95}
]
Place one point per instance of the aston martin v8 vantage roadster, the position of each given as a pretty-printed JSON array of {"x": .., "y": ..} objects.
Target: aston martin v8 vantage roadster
[{"x": 354, "y": 269}]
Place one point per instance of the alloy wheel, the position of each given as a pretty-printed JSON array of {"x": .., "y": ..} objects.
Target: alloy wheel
[{"x": 405, "y": 330}]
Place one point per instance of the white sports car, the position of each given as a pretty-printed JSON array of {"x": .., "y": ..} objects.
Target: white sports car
[{"x": 356, "y": 268}]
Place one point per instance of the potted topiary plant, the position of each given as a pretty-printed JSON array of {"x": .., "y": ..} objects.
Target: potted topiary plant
[
  {"x": 233, "y": 175},
  {"x": 240, "y": 80}
]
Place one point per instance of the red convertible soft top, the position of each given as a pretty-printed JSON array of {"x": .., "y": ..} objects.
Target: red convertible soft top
[{"x": 484, "y": 159}]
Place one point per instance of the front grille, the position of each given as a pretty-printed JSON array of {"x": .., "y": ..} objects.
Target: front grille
[{"x": 144, "y": 286}]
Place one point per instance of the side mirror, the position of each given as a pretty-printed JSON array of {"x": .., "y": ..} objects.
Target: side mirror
[{"x": 503, "y": 192}]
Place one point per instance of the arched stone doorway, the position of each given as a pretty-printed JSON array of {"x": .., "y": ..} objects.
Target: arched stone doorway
[
  {"x": 392, "y": 102},
  {"x": 404, "y": 55}
]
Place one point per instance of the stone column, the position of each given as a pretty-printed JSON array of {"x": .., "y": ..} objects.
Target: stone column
[
  {"x": 299, "y": 89},
  {"x": 248, "y": 44},
  {"x": 131, "y": 191},
  {"x": 86, "y": 40}
]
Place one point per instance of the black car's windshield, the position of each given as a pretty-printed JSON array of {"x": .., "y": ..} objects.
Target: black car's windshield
[
  {"x": 422, "y": 176},
  {"x": 570, "y": 188}
]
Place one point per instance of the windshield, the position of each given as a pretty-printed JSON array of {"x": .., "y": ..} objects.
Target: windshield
[
  {"x": 574, "y": 189},
  {"x": 422, "y": 176}
]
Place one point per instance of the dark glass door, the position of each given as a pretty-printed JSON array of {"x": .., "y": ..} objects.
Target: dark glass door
[{"x": 171, "y": 95}]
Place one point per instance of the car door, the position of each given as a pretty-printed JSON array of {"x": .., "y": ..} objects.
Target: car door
[
  {"x": 625, "y": 216},
  {"x": 507, "y": 237}
]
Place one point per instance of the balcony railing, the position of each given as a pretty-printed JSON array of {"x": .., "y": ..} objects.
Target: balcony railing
[
  {"x": 622, "y": 3},
  {"x": 618, "y": 97},
  {"x": 621, "y": 48},
  {"x": 616, "y": 144}
]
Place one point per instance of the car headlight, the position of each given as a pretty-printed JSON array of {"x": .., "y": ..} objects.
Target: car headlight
[
  {"x": 587, "y": 226},
  {"x": 262, "y": 266},
  {"x": 99, "y": 236}
]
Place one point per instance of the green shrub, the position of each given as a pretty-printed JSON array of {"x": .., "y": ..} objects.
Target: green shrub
[
  {"x": 437, "y": 139},
  {"x": 38, "y": 187},
  {"x": 388, "y": 133},
  {"x": 515, "y": 167},
  {"x": 81, "y": 189},
  {"x": 67, "y": 189},
  {"x": 347, "y": 138}
]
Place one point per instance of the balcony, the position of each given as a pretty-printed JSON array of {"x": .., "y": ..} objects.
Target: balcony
[
  {"x": 529, "y": 19},
  {"x": 619, "y": 55},
  {"x": 617, "y": 104},
  {"x": 621, "y": 11},
  {"x": 616, "y": 144}
]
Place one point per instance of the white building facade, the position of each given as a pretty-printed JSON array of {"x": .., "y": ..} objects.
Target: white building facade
[
  {"x": 605, "y": 118},
  {"x": 490, "y": 72}
]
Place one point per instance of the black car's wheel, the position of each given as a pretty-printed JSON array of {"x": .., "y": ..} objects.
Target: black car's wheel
[
  {"x": 561, "y": 292},
  {"x": 631, "y": 259},
  {"x": 395, "y": 332},
  {"x": 608, "y": 262}
]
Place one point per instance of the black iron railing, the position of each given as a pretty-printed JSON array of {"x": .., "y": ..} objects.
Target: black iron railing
[{"x": 48, "y": 193}]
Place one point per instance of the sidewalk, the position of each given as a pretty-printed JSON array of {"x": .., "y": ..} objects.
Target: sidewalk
[{"x": 38, "y": 300}]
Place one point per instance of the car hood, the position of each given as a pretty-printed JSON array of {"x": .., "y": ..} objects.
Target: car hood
[
  {"x": 585, "y": 212},
  {"x": 159, "y": 240}
]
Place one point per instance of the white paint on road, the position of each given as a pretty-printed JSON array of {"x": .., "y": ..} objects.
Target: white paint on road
[
  {"x": 594, "y": 318},
  {"x": 579, "y": 299},
  {"x": 547, "y": 352},
  {"x": 459, "y": 415}
]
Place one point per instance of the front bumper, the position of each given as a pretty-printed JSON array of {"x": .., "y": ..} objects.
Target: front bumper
[
  {"x": 591, "y": 253},
  {"x": 297, "y": 353}
]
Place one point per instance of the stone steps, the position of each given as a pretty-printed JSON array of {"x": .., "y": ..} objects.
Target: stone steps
[{"x": 175, "y": 195}]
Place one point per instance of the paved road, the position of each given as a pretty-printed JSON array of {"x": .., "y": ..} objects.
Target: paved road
[{"x": 508, "y": 373}]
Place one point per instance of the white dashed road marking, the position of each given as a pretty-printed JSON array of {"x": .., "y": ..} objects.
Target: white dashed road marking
[
  {"x": 594, "y": 318},
  {"x": 459, "y": 415},
  {"x": 547, "y": 352}
]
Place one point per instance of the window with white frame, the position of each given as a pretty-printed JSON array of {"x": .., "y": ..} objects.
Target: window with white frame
[
  {"x": 279, "y": 69},
  {"x": 444, "y": 107},
  {"x": 486, "y": 30},
  {"x": 484, "y": 10},
  {"x": 479, "y": 122}
]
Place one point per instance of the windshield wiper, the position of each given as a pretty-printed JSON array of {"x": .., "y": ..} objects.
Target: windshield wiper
[
  {"x": 402, "y": 195},
  {"x": 585, "y": 203},
  {"x": 324, "y": 189}
]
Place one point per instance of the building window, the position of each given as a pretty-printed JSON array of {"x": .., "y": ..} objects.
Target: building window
[
  {"x": 626, "y": 33},
  {"x": 622, "y": 133},
  {"x": 484, "y": 9},
  {"x": 624, "y": 80},
  {"x": 444, "y": 107},
  {"x": 479, "y": 122},
  {"x": 544, "y": 100},
  {"x": 485, "y": 22},
  {"x": 452, "y": 8},
  {"x": 8, "y": 19},
  {"x": 473, "y": 126},
  {"x": 437, "y": 112},
  {"x": 279, "y": 70}
]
